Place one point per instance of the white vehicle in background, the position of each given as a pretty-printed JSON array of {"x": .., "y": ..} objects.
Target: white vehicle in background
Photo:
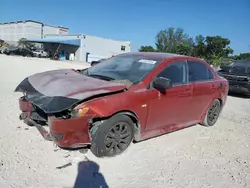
[{"x": 40, "y": 53}]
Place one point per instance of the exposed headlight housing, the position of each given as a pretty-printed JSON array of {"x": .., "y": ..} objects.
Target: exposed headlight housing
[{"x": 79, "y": 112}]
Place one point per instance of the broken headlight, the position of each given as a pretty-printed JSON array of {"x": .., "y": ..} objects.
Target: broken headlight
[{"x": 79, "y": 112}]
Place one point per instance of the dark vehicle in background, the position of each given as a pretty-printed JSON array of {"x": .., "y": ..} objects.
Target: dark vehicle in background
[
  {"x": 96, "y": 62},
  {"x": 4, "y": 49},
  {"x": 130, "y": 97},
  {"x": 25, "y": 52},
  {"x": 238, "y": 76}
]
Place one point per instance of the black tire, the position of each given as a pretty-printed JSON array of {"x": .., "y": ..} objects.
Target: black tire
[
  {"x": 12, "y": 53},
  {"x": 212, "y": 114},
  {"x": 93, "y": 64},
  {"x": 39, "y": 56},
  {"x": 112, "y": 137}
]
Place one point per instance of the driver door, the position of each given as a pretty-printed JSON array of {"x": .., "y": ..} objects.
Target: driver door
[{"x": 169, "y": 110}]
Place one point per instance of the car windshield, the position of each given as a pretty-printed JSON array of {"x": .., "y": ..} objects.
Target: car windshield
[{"x": 124, "y": 67}]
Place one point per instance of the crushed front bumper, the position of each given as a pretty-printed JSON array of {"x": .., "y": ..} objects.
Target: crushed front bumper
[
  {"x": 66, "y": 133},
  {"x": 70, "y": 133}
]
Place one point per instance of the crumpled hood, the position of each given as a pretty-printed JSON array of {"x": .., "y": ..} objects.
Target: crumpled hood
[{"x": 57, "y": 90}]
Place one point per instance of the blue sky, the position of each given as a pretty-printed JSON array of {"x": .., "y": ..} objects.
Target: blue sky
[{"x": 139, "y": 20}]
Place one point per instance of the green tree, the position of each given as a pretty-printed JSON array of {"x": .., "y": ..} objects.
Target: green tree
[
  {"x": 25, "y": 44},
  {"x": 218, "y": 46},
  {"x": 173, "y": 41},
  {"x": 146, "y": 49},
  {"x": 184, "y": 49},
  {"x": 242, "y": 56},
  {"x": 199, "y": 49},
  {"x": 213, "y": 49}
]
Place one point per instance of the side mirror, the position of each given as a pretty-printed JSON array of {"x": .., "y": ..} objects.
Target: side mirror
[{"x": 161, "y": 84}]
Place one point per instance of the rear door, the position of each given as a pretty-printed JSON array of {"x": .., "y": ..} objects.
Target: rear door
[{"x": 202, "y": 79}]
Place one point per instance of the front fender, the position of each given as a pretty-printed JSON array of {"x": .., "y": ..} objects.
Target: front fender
[{"x": 130, "y": 105}]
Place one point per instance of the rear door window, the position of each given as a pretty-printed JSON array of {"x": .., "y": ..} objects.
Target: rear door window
[{"x": 199, "y": 72}]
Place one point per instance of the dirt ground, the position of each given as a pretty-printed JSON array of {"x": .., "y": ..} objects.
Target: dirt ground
[{"x": 216, "y": 157}]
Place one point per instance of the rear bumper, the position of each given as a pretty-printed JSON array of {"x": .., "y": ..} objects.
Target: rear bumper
[{"x": 66, "y": 133}]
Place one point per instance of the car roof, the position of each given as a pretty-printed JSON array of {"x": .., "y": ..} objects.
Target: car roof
[{"x": 161, "y": 55}]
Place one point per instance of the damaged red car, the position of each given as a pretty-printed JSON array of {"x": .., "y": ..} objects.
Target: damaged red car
[{"x": 129, "y": 97}]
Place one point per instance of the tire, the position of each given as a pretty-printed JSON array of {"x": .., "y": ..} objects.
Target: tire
[
  {"x": 212, "y": 114},
  {"x": 93, "y": 64},
  {"x": 112, "y": 137},
  {"x": 12, "y": 53}
]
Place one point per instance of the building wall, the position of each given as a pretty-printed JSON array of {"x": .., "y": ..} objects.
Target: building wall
[
  {"x": 95, "y": 47},
  {"x": 77, "y": 50},
  {"x": 67, "y": 49},
  {"x": 63, "y": 37},
  {"x": 12, "y": 32},
  {"x": 103, "y": 48},
  {"x": 50, "y": 30}
]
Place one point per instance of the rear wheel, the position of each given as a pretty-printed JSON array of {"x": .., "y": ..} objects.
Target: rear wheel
[
  {"x": 112, "y": 137},
  {"x": 212, "y": 113}
]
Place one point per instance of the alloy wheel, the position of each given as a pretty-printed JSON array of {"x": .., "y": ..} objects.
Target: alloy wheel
[
  {"x": 213, "y": 113},
  {"x": 118, "y": 138}
]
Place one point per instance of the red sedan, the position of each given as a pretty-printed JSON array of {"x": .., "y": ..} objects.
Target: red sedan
[{"x": 129, "y": 97}]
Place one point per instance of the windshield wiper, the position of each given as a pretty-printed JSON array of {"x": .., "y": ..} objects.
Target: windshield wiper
[{"x": 101, "y": 77}]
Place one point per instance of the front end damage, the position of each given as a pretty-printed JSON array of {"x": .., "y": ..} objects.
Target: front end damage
[
  {"x": 50, "y": 100},
  {"x": 64, "y": 130}
]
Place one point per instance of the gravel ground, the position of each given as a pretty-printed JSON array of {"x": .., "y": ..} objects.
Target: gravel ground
[{"x": 218, "y": 156}]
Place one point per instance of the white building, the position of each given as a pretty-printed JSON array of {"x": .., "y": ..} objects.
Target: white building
[
  {"x": 83, "y": 47},
  {"x": 12, "y": 32},
  {"x": 57, "y": 39}
]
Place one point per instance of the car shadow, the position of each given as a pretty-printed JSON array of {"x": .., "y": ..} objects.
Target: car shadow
[
  {"x": 239, "y": 95},
  {"x": 89, "y": 176}
]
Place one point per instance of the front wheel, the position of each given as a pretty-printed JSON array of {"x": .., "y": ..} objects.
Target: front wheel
[
  {"x": 212, "y": 114},
  {"x": 112, "y": 137}
]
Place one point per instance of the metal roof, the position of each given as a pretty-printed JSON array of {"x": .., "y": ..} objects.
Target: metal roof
[
  {"x": 21, "y": 21},
  {"x": 74, "y": 42}
]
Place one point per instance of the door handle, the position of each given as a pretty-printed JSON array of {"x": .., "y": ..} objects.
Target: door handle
[{"x": 187, "y": 92}]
